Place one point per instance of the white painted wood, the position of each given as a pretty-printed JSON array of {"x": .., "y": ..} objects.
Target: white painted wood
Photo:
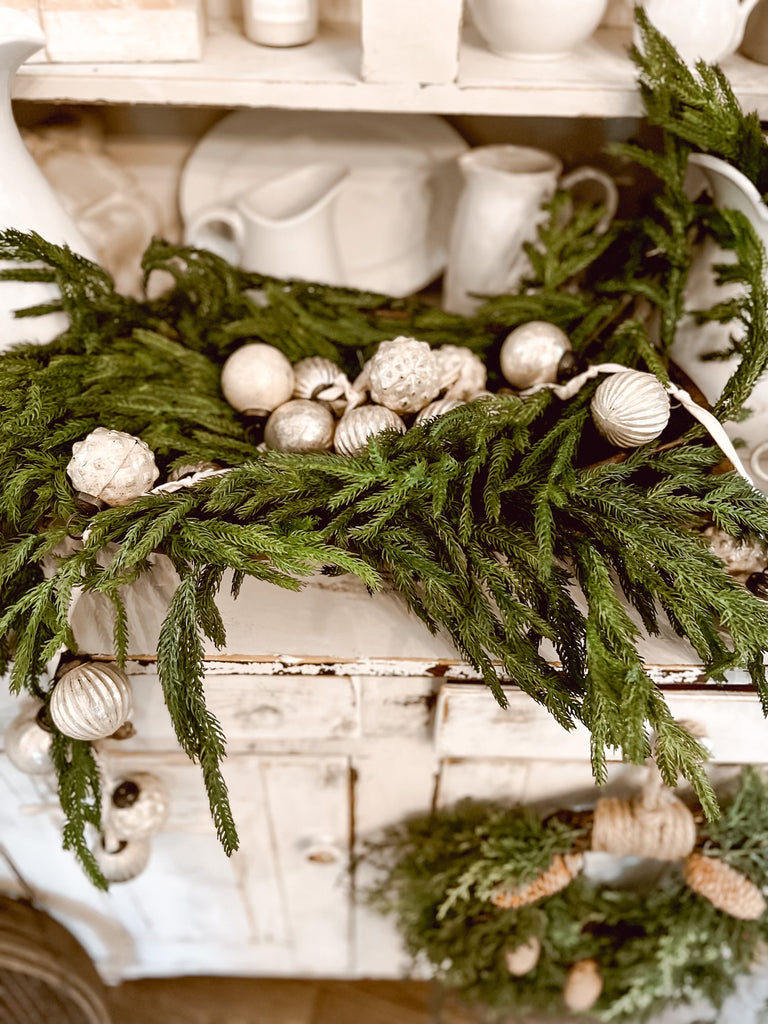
[
  {"x": 132, "y": 32},
  {"x": 411, "y": 40},
  {"x": 469, "y": 722}
]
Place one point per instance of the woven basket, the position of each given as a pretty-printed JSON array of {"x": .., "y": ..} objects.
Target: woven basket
[{"x": 46, "y": 977}]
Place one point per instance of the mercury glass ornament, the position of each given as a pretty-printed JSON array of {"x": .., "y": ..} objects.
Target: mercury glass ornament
[
  {"x": 357, "y": 425},
  {"x": 91, "y": 701},
  {"x": 256, "y": 379},
  {"x": 300, "y": 425},
  {"x": 437, "y": 408},
  {"x": 127, "y": 860},
  {"x": 112, "y": 466},
  {"x": 138, "y": 807},
  {"x": 315, "y": 375},
  {"x": 462, "y": 372},
  {"x": 630, "y": 408},
  {"x": 27, "y": 744},
  {"x": 404, "y": 375},
  {"x": 531, "y": 354}
]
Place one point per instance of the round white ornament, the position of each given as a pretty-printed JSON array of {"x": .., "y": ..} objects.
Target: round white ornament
[
  {"x": 583, "y": 986},
  {"x": 256, "y": 379},
  {"x": 91, "y": 701},
  {"x": 127, "y": 860},
  {"x": 112, "y": 466},
  {"x": 462, "y": 372},
  {"x": 138, "y": 806},
  {"x": 357, "y": 425},
  {"x": 315, "y": 374},
  {"x": 630, "y": 408},
  {"x": 523, "y": 958},
  {"x": 532, "y": 352},
  {"x": 437, "y": 408},
  {"x": 300, "y": 425},
  {"x": 27, "y": 745},
  {"x": 404, "y": 375}
]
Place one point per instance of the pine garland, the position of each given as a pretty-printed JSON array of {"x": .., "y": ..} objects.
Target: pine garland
[
  {"x": 482, "y": 520},
  {"x": 656, "y": 946}
]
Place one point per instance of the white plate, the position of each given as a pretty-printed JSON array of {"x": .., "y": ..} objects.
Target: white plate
[{"x": 394, "y": 213}]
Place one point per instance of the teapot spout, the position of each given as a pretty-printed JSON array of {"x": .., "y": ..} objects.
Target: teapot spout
[{"x": 20, "y": 38}]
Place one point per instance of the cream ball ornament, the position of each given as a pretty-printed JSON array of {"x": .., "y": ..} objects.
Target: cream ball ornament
[
  {"x": 357, "y": 425},
  {"x": 404, "y": 375},
  {"x": 531, "y": 354},
  {"x": 112, "y": 466},
  {"x": 630, "y": 408},
  {"x": 300, "y": 425},
  {"x": 138, "y": 806},
  {"x": 123, "y": 861},
  {"x": 257, "y": 378},
  {"x": 27, "y": 744},
  {"x": 521, "y": 959},
  {"x": 91, "y": 701},
  {"x": 583, "y": 986}
]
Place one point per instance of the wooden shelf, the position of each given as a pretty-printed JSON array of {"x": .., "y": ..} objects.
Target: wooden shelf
[{"x": 596, "y": 81}]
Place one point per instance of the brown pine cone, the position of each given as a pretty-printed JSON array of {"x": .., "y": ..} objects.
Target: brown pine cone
[
  {"x": 561, "y": 871},
  {"x": 724, "y": 887}
]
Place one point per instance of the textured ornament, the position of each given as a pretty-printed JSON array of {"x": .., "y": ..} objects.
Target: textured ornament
[
  {"x": 124, "y": 862},
  {"x": 257, "y": 378},
  {"x": 739, "y": 556},
  {"x": 315, "y": 376},
  {"x": 663, "y": 830},
  {"x": 437, "y": 408},
  {"x": 404, "y": 375},
  {"x": 357, "y": 425},
  {"x": 112, "y": 466},
  {"x": 190, "y": 468},
  {"x": 562, "y": 870},
  {"x": 725, "y": 887},
  {"x": 583, "y": 986},
  {"x": 91, "y": 701},
  {"x": 630, "y": 408},
  {"x": 531, "y": 354},
  {"x": 27, "y": 744},
  {"x": 523, "y": 958},
  {"x": 138, "y": 807},
  {"x": 300, "y": 425},
  {"x": 462, "y": 372}
]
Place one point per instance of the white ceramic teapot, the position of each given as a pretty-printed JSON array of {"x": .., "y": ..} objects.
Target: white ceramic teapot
[{"x": 708, "y": 30}]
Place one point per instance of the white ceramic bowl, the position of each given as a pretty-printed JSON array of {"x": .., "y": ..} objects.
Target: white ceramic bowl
[{"x": 536, "y": 29}]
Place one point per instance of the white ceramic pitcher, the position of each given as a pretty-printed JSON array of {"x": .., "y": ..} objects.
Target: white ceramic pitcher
[
  {"x": 498, "y": 211},
  {"x": 27, "y": 201},
  {"x": 708, "y": 30},
  {"x": 283, "y": 227}
]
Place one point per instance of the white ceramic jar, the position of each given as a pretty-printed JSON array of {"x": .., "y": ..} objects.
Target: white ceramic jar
[
  {"x": 280, "y": 22},
  {"x": 536, "y": 29}
]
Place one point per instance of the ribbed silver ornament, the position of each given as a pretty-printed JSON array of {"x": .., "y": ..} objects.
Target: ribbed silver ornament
[
  {"x": 138, "y": 807},
  {"x": 124, "y": 862},
  {"x": 630, "y": 408},
  {"x": 357, "y": 425},
  {"x": 91, "y": 701},
  {"x": 313, "y": 375},
  {"x": 437, "y": 408}
]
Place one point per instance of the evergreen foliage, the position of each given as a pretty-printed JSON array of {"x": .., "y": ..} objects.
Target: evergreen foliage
[
  {"x": 483, "y": 520},
  {"x": 655, "y": 946}
]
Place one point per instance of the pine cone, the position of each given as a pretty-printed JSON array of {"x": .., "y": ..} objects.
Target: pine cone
[
  {"x": 560, "y": 873},
  {"x": 724, "y": 887}
]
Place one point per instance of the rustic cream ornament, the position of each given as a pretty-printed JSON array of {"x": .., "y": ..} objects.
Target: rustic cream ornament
[
  {"x": 404, "y": 375},
  {"x": 27, "y": 744},
  {"x": 257, "y": 378},
  {"x": 523, "y": 958},
  {"x": 725, "y": 887},
  {"x": 300, "y": 425},
  {"x": 583, "y": 986},
  {"x": 437, "y": 408},
  {"x": 357, "y": 425},
  {"x": 91, "y": 701},
  {"x": 112, "y": 466},
  {"x": 462, "y": 372},
  {"x": 123, "y": 861},
  {"x": 138, "y": 807},
  {"x": 531, "y": 354},
  {"x": 562, "y": 869},
  {"x": 630, "y": 408}
]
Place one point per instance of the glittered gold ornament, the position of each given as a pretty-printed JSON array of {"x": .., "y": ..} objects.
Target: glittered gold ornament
[
  {"x": 123, "y": 861},
  {"x": 91, "y": 701},
  {"x": 138, "y": 806},
  {"x": 300, "y": 425},
  {"x": 403, "y": 374},
  {"x": 27, "y": 744},
  {"x": 357, "y": 425},
  {"x": 583, "y": 986},
  {"x": 630, "y": 408},
  {"x": 257, "y": 378},
  {"x": 112, "y": 466},
  {"x": 531, "y": 354}
]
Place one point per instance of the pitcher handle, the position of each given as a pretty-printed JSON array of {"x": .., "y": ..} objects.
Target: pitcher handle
[
  {"x": 587, "y": 173},
  {"x": 202, "y": 234}
]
